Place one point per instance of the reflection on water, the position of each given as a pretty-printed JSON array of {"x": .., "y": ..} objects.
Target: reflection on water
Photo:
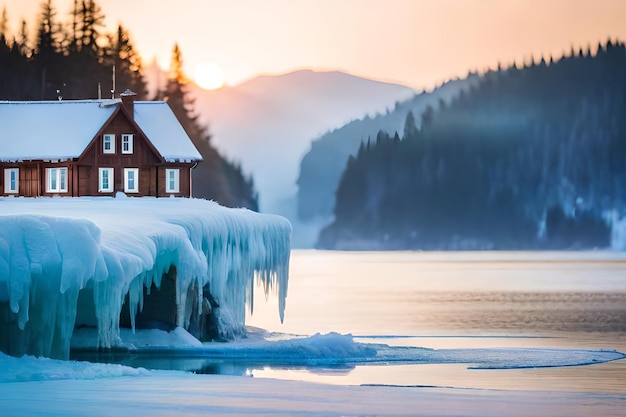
[
  {"x": 165, "y": 361},
  {"x": 204, "y": 365},
  {"x": 603, "y": 378}
]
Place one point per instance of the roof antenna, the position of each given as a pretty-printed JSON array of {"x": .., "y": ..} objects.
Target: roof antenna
[
  {"x": 113, "y": 89},
  {"x": 59, "y": 95},
  {"x": 99, "y": 92}
]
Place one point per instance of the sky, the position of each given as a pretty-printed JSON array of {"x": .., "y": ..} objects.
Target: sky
[{"x": 418, "y": 43}]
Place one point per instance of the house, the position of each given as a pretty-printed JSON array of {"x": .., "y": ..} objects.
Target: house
[{"x": 94, "y": 148}]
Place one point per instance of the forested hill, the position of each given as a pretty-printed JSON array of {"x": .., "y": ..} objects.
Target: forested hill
[
  {"x": 76, "y": 60},
  {"x": 528, "y": 158},
  {"x": 321, "y": 167}
]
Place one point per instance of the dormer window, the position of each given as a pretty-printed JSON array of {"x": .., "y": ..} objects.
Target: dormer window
[
  {"x": 127, "y": 144},
  {"x": 108, "y": 143}
]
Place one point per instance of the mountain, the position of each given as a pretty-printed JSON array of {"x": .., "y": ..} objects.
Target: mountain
[
  {"x": 529, "y": 158},
  {"x": 267, "y": 123}
]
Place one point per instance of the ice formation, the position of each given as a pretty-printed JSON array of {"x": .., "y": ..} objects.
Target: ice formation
[
  {"x": 328, "y": 351},
  {"x": 106, "y": 249}
]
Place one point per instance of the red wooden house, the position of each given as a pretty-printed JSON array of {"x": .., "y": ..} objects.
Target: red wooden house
[{"x": 94, "y": 148}]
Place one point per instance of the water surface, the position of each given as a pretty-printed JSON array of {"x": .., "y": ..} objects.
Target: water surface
[{"x": 448, "y": 300}]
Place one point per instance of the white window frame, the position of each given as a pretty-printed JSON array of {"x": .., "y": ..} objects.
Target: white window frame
[
  {"x": 108, "y": 173},
  {"x": 172, "y": 174},
  {"x": 134, "y": 186},
  {"x": 110, "y": 139},
  {"x": 127, "y": 143},
  {"x": 56, "y": 180},
  {"x": 11, "y": 180}
]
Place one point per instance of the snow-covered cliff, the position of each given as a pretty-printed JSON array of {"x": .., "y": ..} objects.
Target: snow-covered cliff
[{"x": 66, "y": 257}]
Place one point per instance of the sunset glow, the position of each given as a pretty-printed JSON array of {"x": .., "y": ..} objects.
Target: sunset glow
[
  {"x": 208, "y": 76},
  {"x": 418, "y": 43}
]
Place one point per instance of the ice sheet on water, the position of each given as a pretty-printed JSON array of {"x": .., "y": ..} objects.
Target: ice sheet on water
[
  {"x": 498, "y": 358},
  {"x": 325, "y": 350},
  {"x": 339, "y": 350}
]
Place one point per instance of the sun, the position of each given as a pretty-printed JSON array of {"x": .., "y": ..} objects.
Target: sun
[{"x": 208, "y": 76}]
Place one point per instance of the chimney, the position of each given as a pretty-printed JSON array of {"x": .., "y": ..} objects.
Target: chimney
[{"x": 128, "y": 101}]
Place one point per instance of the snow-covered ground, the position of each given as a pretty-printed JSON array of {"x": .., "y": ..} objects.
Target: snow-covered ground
[
  {"x": 52, "y": 250},
  {"x": 180, "y": 394},
  {"x": 39, "y": 386}
]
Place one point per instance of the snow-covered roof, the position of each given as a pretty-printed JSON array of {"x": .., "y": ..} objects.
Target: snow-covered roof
[
  {"x": 49, "y": 129},
  {"x": 160, "y": 125},
  {"x": 59, "y": 130}
]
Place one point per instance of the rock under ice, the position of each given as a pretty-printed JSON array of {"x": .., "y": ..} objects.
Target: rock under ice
[{"x": 67, "y": 262}]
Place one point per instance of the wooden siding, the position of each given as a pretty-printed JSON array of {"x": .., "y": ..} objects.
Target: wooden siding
[
  {"x": 30, "y": 180},
  {"x": 184, "y": 180},
  {"x": 143, "y": 157}
]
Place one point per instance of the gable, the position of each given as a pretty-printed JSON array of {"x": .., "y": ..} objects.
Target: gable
[{"x": 120, "y": 123}]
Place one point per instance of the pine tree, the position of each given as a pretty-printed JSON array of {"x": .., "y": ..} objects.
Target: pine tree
[
  {"x": 4, "y": 23},
  {"x": 214, "y": 178},
  {"x": 6, "y": 73},
  {"x": 47, "y": 55},
  {"x": 427, "y": 116},
  {"x": 74, "y": 40},
  {"x": 127, "y": 62},
  {"x": 176, "y": 67},
  {"x": 90, "y": 24},
  {"x": 22, "y": 43},
  {"x": 410, "y": 129},
  {"x": 47, "y": 41}
]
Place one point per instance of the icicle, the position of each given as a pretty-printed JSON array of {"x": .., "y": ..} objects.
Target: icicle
[{"x": 46, "y": 261}]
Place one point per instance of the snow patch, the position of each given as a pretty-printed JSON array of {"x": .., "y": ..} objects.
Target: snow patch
[{"x": 29, "y": 368}]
